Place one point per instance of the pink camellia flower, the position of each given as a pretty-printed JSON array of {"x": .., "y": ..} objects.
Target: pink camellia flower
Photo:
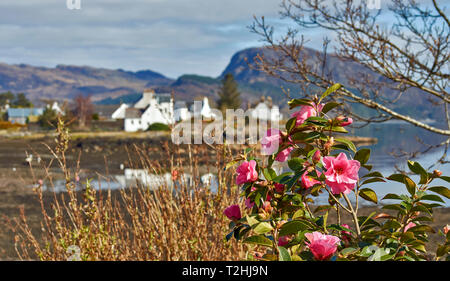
[
  {"x": 344, "y": 121},
  {"x": 279, "y": 187},
  {"x": 283, "y": 155},
  {"x": 233, "y": 212},
  {"x": 246, "y": 172},
  {"x": 271, "y": 141},
  {"x": 308, "y": 181},
  {"x": 408, "y": 226},
  {"x": 307, "y": 111},
  {"x": 341, "y": 174},
  {"x": 322, "y": 246},
  {"x": 283, "y": 240}
]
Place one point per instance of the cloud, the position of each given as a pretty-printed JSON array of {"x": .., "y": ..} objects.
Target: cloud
[{"x": 169, "y": 36}]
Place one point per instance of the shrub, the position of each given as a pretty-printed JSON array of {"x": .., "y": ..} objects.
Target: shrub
[
  {"x": 6, "y": 125},
  {"x": 158, "y": 127},
  {"x": 278, "y": 219}
]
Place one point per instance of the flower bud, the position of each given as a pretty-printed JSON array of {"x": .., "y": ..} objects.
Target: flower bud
[
  {"x": 328, "y": 145},
  {"x": 316, "y": 157},
  {"x": 174, "y": 175},
  {"x": 437, "y": 173},
  {"x": 446, "y": 228},
  {"x": 280, "y": 223},
  {"x": 267, "y": 207},
  {"x": 263, "y": 215},
  {"x": 344, "y": 121}
]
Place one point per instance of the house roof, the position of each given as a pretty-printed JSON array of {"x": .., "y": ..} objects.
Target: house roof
[
  {"x": 104, "y": 110},
  {"x": 24, "y": 112},
  {"x": 133, "y": 113},
  {"x": 163, "y": 97}
]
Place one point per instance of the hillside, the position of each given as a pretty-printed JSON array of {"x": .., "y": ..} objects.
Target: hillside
[{"x": 114, "y": 86}]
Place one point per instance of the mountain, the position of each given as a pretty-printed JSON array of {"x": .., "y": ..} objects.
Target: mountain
[
  {"x": 106, "y": 86},
  {"x": 65, "y": 82}
]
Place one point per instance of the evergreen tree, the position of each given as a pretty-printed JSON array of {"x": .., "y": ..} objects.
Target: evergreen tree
[
  {"x": 229, "y": 96},
  {"x": 48, "y": 119},
  {"x": 22, "y": 101}
]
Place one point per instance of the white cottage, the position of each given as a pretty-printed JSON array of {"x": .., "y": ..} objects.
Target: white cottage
[
  {"x": 205, "y": 111},
  {"x": 265, "y": 110},
  {"x": 151, "y": 108}
]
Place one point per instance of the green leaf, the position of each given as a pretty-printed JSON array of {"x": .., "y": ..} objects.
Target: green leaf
[
  {"x": 368, "y": 194},
  {"x": 373, "y": 174},
  {"x": 298, "y": 214},
  {"x": 262, "y": 227},
  {"x": 371, "y": 180},
  {"x": 422, "y": 228},
  {"x": 392, "y": 196},
  {"x": 293, "y": 180},
  {"x": 447, "y": 179},
  {"x": 416, "y": 168},
  {"x": 290, "y": 124},
  {"x": 432, "y": 197},
  {"x": 269, "y": 174},
  {"x": 395, "y": 207},
  {"x": 298, "y": 102},
  {"x": 407, "y": 181},
  {"x": 348, "y": 251},
  {"x": 259, "y": 240},
  {"x": 329, "y": 106},
  {"x": 397, "y": 177},
  {"x": 410, "y": 185},
  {"x": 363, "y": 155},
  {"x": 231, "y": 164},
  {"x": 442, "y": 250},
  {"x": 283, "y": 254},
  {"x": 252, "y": 220},
  {"x": 296, "y": 164},
  {"x": 292, "y": 227},
  {"x": 330, "y": 90},
  {"x": 442, "y": 190},
  {"x": 348, "y": 143},
  {"x": 337, "y": 129}
]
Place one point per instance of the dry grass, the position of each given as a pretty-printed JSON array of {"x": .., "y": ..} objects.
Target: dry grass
[{"x": 184, "y": 221}]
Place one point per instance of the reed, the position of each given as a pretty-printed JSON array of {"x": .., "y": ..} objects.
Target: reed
[{"x": 180, "y": 221}]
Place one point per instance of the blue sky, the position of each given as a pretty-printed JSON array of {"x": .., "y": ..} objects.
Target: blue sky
[{"x": 173, "y": 37}]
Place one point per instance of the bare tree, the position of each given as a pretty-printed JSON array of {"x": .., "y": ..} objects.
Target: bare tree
[
  {"x": 83, "y": 110},
  {"x": 411, "y": 56}
]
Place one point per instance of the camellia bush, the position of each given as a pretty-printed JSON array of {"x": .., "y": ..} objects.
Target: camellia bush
[{"x": 277, "y": 216}]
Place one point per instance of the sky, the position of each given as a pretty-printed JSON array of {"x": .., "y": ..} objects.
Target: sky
[{"x": 173, "y": 37}]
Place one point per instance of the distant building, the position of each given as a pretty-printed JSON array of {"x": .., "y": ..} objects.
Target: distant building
[
  {"x": 181, "y": 111},
  {"x": 205, "y": 112},
  {"x": 55, "y": 107},
  {"x": 265, "y": 110},
  {"x": 24, "y": 115},
  {"x": 151, "y": 108}
]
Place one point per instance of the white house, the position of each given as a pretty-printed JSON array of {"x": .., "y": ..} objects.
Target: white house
[
  {"x": 205, "y": 111},
  {"x": 151, "y": 108},
  {"x": 265, "y": 110},
  {"x": 55, "y": 107},
  {"x": 181, "y": 111}
]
